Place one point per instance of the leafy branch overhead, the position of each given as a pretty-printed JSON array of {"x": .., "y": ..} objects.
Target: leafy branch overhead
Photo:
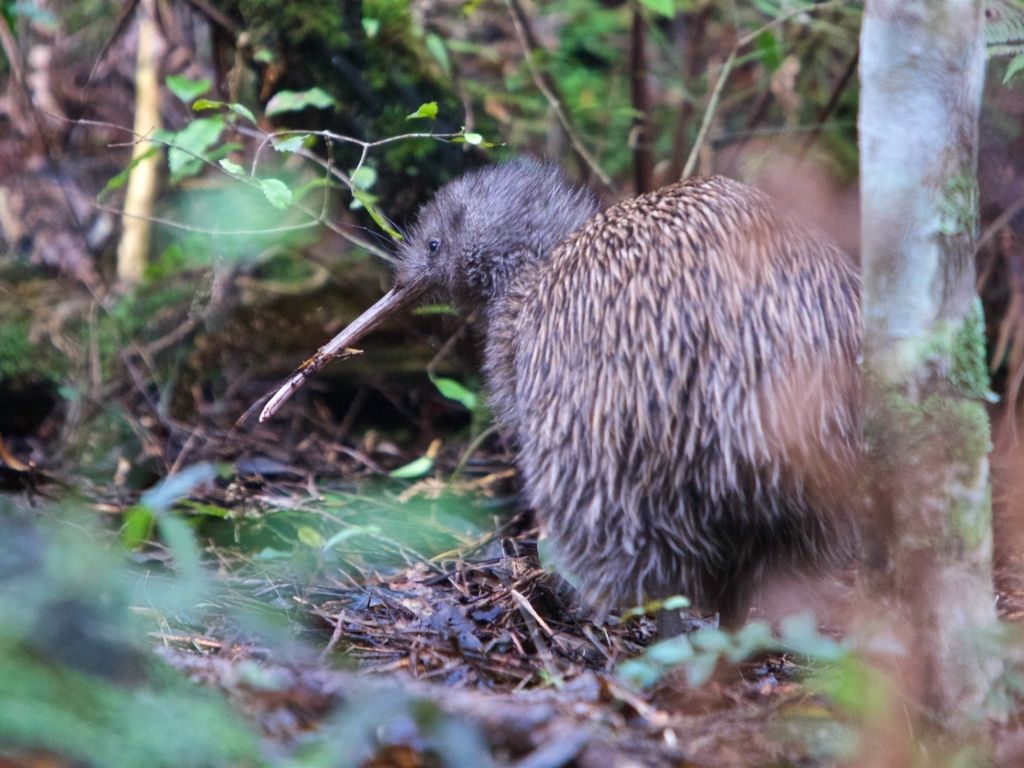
[{"x": 202, "y": 143}]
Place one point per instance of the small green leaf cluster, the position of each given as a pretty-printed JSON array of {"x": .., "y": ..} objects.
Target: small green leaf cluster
[{"x": 698, "y": 654}]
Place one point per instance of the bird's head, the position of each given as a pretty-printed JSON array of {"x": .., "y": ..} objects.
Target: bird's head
[
  {"x": 479, "y": 231},
  {"x": 467, "y": 246},
  {"x": 476, "y": 234}
]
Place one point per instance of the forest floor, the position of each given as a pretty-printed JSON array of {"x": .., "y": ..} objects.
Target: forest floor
[{"x": 398, "y": 592}]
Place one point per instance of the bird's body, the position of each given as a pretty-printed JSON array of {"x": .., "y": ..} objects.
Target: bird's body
[
  {"x": 677, "y": 374},
  {"x": 680, "y": 379}
]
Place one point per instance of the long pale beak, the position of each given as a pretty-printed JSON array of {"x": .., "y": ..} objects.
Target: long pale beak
[{"x": 391, "y": 302}]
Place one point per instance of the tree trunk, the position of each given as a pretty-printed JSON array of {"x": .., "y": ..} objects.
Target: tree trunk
[
  {"x": 928, "y": 540},
  {"x": 144, "y": 179}
]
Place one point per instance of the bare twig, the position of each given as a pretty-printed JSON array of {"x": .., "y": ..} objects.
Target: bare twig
[
  {"x": 640, "y": 137},
  {"x": 524, "y": 32},
  {"x": 527, "y": 606},
  {"x": 709, "y": 113},
  {"x": 267, "y": 138},
  {"x": 689, "y": 35},
  {"x": 825, "y": 112},
  {"x": 1000, "y": 221},
  {"x": 215, "y": 16},
  {"x": 730, "y": 62},
  {"x": 209, "y": 230},
  {"x": 315, "y": 219},
  {"x": 120, "y": 25}
]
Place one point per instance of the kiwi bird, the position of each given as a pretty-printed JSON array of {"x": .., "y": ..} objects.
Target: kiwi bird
[{"x": 677, "y": 373}]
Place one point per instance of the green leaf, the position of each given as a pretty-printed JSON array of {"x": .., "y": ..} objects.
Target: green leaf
[
  {"x": 206, "y": 510},
  {"x": 639, "y": 673},
  {"x": 364, "y": 177},
  {"x": 137, "y": 526},
  {"x": 199, "y": 105},
  {"x": 770, "y": 49},
  {"x": 185, "y": 89},
  {"x": 551, "y": 562},
  {"x": 269, "y": 553},
  {"x": 294, "y": 101},
  {"x": 453, "y": 390},
  {"x": 121, "y": 179},
  {"x": 700, "y": 669},
  {"x": 194, "y": 139},
  {"x": 661, "y": 7},
  {"x": 173, "y": 488},
  {"x": 231, "y": 167},
  {"x": 179, "y": 539},
  {"x": 855, "y": 686},
  {"x": 414, "y": 469},
  {"x": 670, "y": 653},
  {"x": 475, "y": 139},
  {"x": 435, "y": 46},
  {"x": 711, "y": 639},
  {"x": 676, "y": 602},
  {"x": 302, "y": 190},
  {"x": 752, "y": 638},
  {"x": 800, "y": 634},
  {"x": 428, "y": 110},
  {"x": 291, "y": 143},
  {"x": 277, "y": 192},
  {"x": 436, "y": 309},
  {"x": 369, "y": 202},
  {"x": 371, "y": 27},
  {"x": 350, "y": 533},
  {"x": 242, "y": 111},
  {"x": 309, "y": 536},
  {"x": 1015, "y": 66}
]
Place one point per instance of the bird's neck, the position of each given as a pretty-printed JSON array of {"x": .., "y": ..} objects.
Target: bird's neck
[{"x": 504, "y": 306}]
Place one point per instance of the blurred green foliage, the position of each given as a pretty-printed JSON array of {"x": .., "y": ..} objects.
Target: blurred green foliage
[
  {"x": 76, "y": 674},
  {"x": 78, "y": 678},
  {"x": 16, "y": 351}
]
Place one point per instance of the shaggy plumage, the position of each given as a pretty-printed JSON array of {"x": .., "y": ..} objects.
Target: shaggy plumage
[{"x": 678, "y": 374}]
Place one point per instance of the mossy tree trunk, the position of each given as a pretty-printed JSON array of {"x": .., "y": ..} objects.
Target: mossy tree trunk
[{"x": 928, "y": 538}]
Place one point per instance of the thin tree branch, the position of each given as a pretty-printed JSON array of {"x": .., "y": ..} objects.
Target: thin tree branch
[
  {"x": 833, "y": 102},
  {"x": 526, "y": 39},
  {"x": 251, "y": 181},
  {"x": 643, "y": 160},
  {"x": 730, "y": 62}
]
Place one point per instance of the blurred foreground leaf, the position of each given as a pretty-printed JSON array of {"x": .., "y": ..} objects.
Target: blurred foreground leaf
[
  {"x": 76, "y": 676},
  {"x": 294, "y": 101}
]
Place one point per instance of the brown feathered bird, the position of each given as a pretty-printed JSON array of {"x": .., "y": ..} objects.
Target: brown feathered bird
[{"x": 677, "y": 373}]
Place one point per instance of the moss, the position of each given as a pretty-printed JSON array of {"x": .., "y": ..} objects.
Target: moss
[
  {"x": 971, "y": 517},
  {"x": 15, "y": 349},
  {"x": 947, "y": 429},
  {"x": 960, "y": 350},
  {"x": 150, "y": 307},
  {"x": 960, "y": 206},
  {"x": 963, "y": 426},
  {"x": 969, "y": 373},
  {"x": 23, "y": 358}
]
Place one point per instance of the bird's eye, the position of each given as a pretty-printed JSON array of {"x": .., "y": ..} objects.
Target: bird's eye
[{"x": 433, "y": 245}]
